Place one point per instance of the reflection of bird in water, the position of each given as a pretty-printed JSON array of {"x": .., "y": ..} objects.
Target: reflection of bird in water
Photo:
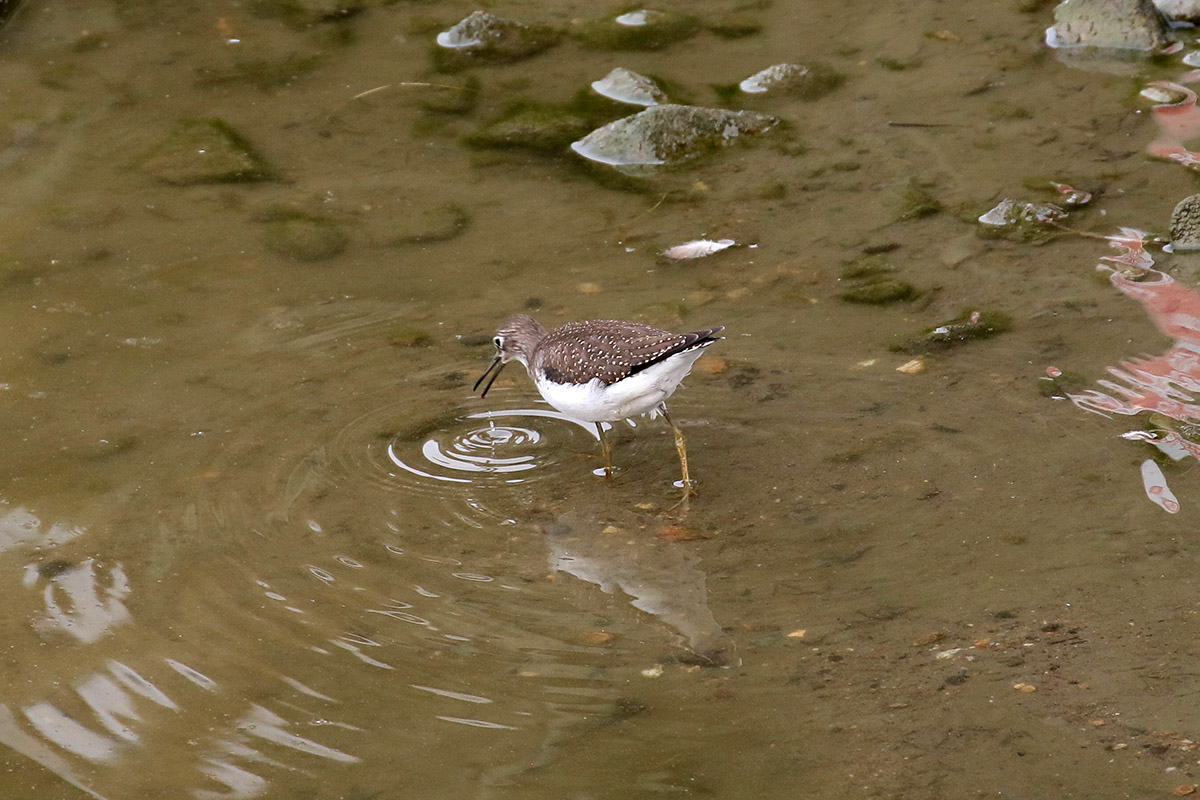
[
  {"x": 603, "y": 370},
  {"x": 612, "y": 550}
]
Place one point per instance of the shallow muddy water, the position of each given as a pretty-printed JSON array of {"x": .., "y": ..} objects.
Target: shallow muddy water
[{"x": 259, "y": 538}]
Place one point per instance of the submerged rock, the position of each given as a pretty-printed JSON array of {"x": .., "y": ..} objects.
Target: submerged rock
[
  {"x": 206, "y": 151},
  {"x": 626, "y": 86},
  {"x": 1185, "y": 10},
  {"x": 1185, "y": 225},
  {"x": 965, "y": 328},
  {"x": 880, "y": 291},
  {"x": 486, "y": 38},
  {"x": 806, "y": 81},
  {"x": 1011, "y": 212},
  {"x": 1110, "y": 24},
  {"x": 644, "y": 29},
  {"x": 667, "y": 134},
  {"x": 301, "y": 237},
  {"x": 777, "y": 77},
  {"x": 532, "y": 126}
]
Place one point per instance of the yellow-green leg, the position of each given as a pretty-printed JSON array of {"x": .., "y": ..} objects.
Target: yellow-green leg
[
  {"x": 688, "y": 488},
  {"x": 605, "y": 451}
]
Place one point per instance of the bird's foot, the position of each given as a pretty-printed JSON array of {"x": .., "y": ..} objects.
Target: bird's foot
[{"x": 608, "y": 473}]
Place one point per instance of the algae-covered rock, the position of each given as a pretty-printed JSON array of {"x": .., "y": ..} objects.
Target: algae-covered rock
[
  {"x": 206, "y": 151},
  {"x": 915, "y": 202},
  {"x": 966, "y": 327},
  {"x": 668, "y": 134},
  {"x": 303, "y": 13},
  {"x": 1110, "y": 24},
  {"x": 880, "y": 291},
  {"x": 643, "y": 29},
  {"x": 532, "y": 126},
  {"x": 808, "y": 82},
  {"x": 439, "y": 223},
  {"x": 302, "y": 237},
  {"x": 264, "y": 75},
  {"x": 484, "y": 38}
]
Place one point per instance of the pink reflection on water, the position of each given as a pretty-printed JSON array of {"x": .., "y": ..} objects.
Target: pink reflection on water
[
  {"x": 1161, "y": 384},
  {"x": 1177, "y": 123},
  {"x": 1166, "y": 384}
]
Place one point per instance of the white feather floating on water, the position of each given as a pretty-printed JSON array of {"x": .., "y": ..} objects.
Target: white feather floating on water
[
  {"x": 698, "y": 248},
  {"x": 1156, "y": 487}
]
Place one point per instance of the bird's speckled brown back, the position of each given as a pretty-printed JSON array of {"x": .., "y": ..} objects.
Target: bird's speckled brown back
[{"x": 609, "y": 349}]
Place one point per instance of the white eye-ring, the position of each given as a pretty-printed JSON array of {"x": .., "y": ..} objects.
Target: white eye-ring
[{"x": 499, "y": 342}]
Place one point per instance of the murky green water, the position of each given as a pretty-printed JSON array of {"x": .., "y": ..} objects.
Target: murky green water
[{"x": 247, "y": 548}]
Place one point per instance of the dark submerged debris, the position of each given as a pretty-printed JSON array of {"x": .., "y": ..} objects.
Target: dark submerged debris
[{"x": 967, "y": 327}]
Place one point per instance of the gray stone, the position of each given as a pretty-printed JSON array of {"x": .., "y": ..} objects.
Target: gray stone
[
  {"x": 1110, "y": 24},
  {"x": 1185, "y": 225},
  {"x": 1187, "y": 10},
  {"x": 668, "y": 134}
]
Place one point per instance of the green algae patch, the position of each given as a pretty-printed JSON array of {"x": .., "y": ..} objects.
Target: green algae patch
[
  {"x": 880, "y": 291},
  {"x": 202, "y": 151}
]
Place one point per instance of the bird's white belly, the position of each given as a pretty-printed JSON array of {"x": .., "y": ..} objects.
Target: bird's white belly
[{"x": 638, "y": 394}]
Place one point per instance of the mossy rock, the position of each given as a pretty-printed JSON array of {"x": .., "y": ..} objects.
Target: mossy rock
[
  {"x": 880, "y": 292},
  {"x": 300, "y": 237},
  {"x": 206, "y": 151},
  {"x": 429, "y": 226},
  {"x": 733, "y": 26},
  {"x": 661, "y": 29},
  {"x": 264, "y": 75},
  {"x": 868, "y": 266},
  {"x": 484, "y": 38},
  {"x": 915, "y": 202},
  {"x": 1063, "y": 384},
  {"x": 408, "y": 336},
  {"x": 532, "y": 126},
  {"x": 453, "y": 100},
  {"x": 304, "y": 13},
  {"x": 967, "y": 327}
]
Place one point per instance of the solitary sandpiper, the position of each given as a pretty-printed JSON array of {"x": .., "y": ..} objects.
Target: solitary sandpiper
[{"x": 603, "y": 370}]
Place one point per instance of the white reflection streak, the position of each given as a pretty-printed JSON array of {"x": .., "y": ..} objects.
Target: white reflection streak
[
  {"x": 21, "y": 742},
  {"x": 110, "y": 702},
  {"x": 69, "y": 734},
  {"x": 139, "y": 685},
  {"x": 198, "y": 678},
  {"x": 470, "y": 698},
  {"x": 20, "y": 526},
  {"x": 300, "y": 687},
  {"x": 366, "y": 659},
  {"x": 479, "y": 723},
  {"x": 265, "y": 724},
  {"x": 242, "y": 783},
  {"x": 89, "y": 617}
]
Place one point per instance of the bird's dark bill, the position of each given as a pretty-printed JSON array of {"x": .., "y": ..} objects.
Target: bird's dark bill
[{"x": 494, "y": 371}]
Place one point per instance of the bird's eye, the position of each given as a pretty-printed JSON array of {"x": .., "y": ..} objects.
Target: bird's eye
[{"x": 499, "y": 342}]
